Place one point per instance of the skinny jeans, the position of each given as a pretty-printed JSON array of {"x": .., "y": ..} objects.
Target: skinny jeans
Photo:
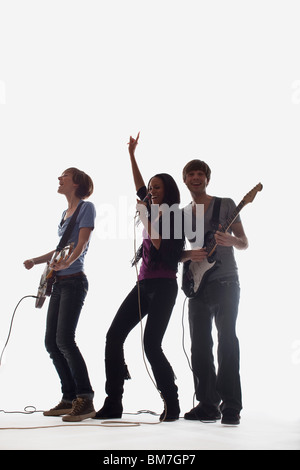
[
  {"x": 217, "y": 301},
  {"x": 157, "y": 299},
  {"x": 64, "y": 310}
]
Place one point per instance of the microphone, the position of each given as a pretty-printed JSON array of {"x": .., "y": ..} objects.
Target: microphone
[
  {"x": 147, "y": 201},
  {"x": 147, "y": 198}
]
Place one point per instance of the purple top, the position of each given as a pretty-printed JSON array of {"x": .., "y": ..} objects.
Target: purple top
[{"x": 146, "y": 272}]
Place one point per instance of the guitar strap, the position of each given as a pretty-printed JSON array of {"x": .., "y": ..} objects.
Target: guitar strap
[
  {"x": 65, "y": 238},
  {"x": 214, "y": 221}
]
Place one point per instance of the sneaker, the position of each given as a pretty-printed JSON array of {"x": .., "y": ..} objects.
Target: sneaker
[
  {"x": 202, "y": 413},
  {"x": 230, "y": 417},
  {"x": 63, "y": 408},
  {"x": 83, "y": 408}
]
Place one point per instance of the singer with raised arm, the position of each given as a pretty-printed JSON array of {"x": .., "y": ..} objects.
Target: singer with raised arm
[
  {"x": 158, "y": 289},
  {"x": 67, "y": 298}
]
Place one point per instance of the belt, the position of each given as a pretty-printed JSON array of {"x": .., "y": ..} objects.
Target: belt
[{"x": 69, "y": 276}]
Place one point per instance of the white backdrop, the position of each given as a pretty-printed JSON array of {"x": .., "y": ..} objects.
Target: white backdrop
[{"x": 213, "y": 80}]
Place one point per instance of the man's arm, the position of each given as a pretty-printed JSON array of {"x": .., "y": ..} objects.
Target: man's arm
[{"x": 238, "y": 240}]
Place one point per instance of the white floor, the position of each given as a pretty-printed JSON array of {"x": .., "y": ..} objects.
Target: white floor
[{"x": 254, "y": 433}]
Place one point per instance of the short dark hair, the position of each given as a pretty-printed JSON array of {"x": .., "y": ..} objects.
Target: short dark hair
[
  {"x": 84, "y": 181},
  {"x": 172, "y": 194},
  {"x": 195, "y": 165}
]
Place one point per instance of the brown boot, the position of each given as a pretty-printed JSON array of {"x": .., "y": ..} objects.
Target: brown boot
[
  {"x": 63, "y": 408},
  {"x": 83, "y": 408}
]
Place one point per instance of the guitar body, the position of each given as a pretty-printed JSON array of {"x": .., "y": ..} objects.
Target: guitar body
[
  {"x": 45, "y": 287},
  {"x": 47, "y": 279},
  {"x": 194, "y": 273}
]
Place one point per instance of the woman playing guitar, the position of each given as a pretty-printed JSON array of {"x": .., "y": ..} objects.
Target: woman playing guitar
[{"x": 67, "y": 298}]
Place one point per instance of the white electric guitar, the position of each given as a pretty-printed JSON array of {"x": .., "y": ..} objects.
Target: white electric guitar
[
  {"x": 195, "y": 272},
  {"x": 47, "y": 278}
]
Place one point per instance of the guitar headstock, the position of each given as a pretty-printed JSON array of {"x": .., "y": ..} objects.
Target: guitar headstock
[{"x": 251, "y": 195}]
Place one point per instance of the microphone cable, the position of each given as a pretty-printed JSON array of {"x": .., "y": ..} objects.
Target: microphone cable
[
  {"x": 11, "y": 323},
  {"x": 29, "y": 409},
  {"x": 141, "y": 327}
]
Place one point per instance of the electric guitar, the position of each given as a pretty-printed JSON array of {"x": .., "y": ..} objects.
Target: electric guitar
[
  {"x": 48, "y": 278},
  {"x": 195, "y": 272}
]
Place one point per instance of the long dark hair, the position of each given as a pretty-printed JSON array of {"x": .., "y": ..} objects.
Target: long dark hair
[
  {"x": 172, "y": 194},
  {"x": 173, "y": 250}
]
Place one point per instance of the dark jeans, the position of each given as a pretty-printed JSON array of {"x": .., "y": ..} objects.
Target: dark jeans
[
  {"x": 157, "y": 301},
  {"x": 219, "y": 300},
  {"x": 64, "y": 309}
]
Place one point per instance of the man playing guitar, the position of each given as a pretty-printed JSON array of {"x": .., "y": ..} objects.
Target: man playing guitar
[{"x": 218, "y": 299}]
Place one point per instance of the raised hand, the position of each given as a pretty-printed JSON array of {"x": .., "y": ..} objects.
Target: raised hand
[{"x": 132, "y": 144}]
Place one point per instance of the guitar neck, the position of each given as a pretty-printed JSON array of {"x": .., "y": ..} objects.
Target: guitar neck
[
  {"x": 232, "y": 218},
  {"x": 212, "y": 245}
]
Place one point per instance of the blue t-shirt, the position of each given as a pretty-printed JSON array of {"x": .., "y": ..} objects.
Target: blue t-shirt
[{"x": 85, "y": 218}]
